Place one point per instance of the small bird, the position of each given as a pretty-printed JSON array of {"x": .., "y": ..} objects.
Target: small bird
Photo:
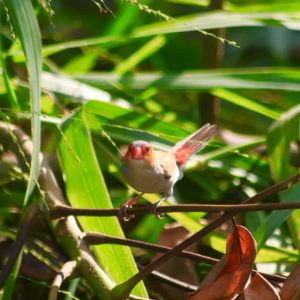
[{"x": 153, "y": 171}]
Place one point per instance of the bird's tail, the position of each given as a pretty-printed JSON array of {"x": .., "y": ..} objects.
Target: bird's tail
[{"x": 193, "y": 143}]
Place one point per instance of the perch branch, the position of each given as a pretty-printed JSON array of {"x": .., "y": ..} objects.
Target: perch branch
[{"x": 62, "y": 211}]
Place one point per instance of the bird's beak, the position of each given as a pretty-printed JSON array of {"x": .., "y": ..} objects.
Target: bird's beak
[{"x": 137, "y": 153}]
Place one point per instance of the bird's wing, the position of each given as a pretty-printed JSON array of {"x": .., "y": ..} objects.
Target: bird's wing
[
  {"x": 193, "y": 143},
  {"x": 167, "y": 163}
]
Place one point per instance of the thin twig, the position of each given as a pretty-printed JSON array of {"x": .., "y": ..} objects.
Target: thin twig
[
  {"x": 63, "y": 211},
  {"x": 66, "y": 271},
  {"x": 123, "y": 290},
  {"x": 171, "y": 281},
  {"x": 98, "y": 238}
]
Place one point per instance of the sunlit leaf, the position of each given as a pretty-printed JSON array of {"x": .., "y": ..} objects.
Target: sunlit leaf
[
  {"x": 245, "y": 103},
  {"x": 86, "y": 187},
  {"x": 219, "y": 19},
  {"x": 7, "y": 81},
  {"x": 142, "y": 53},
  {"x": 81, "y": 63},
  {"x": 283, "y": 132},
  {"x": 27, "y": 29},
  {"x": 196, "y": 80}
]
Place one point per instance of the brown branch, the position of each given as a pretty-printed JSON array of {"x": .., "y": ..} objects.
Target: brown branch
[
  {"x": 123, "y": 290},
  {"x": 97, "y": 238},
  {"x": 63, "y": 211},
  {"x": 187, "y": 287}
]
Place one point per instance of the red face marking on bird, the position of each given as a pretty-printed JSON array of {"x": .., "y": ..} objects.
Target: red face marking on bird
[{"x": 139, "y": 151}]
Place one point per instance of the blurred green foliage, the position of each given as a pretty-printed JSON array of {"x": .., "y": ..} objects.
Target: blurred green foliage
[{"x": 138, "y": 73}]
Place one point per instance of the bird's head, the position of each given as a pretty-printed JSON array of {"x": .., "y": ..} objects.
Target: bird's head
[{"x": 139, "y": 150}]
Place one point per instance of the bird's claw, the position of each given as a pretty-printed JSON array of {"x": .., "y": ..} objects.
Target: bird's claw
[
  {"x": 128, "y": 204},
  {"x": 154, "y": 211},
  {"x": 125, "y": 216}
]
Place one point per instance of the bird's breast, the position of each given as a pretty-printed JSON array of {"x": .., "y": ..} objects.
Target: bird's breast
[{"x": 147, "y": 178}]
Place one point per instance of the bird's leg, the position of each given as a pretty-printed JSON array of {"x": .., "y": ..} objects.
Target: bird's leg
[
  {"x": 156, "y": 205},
  {"x": 128, "y": 204}
]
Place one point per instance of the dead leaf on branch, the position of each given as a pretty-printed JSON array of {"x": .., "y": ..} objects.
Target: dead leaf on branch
[{"x": 230, "y": 275}]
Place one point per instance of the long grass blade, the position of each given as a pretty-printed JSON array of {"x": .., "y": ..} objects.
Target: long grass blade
[
  {"x": 85, "y": 187},
  {"x": 285, "y": 79},
  {"x": 27, "y": 29}
]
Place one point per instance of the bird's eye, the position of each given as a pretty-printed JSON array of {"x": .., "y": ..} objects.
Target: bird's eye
[{"x": 146, "y": 149}]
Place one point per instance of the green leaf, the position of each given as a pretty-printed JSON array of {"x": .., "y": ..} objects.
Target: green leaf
[
  {"x": 282, "y": 133},
  {"x": 127, "y": 16},
  {"x": 245, "y": 103},
  {"x": 79, "y": 91},
  {"x": 27, "y": 29},
  {"x": 191, "y": 2},
  {"x": 266, "y": 6},
  {"x": 85, "y": 187},
  {"x": 8, "y": 288},
  {"x": 122, "y": 115},
  {"x": 285, "y": 79},
  {"x": 134, "y": 59},
  {"x": 7, "y": 81},
  {"x": 58, "y": 47},
  {"x": 219, "y": 19},
  {"x": 269, "y": 254},
  {"x": 276, "y": 218},
  {"x": 84, "y": 63}
]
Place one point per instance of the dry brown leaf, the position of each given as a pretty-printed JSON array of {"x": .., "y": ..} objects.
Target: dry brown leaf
[
  {"x": 230, "y": 275},
  {"x": 260, "y": 288},
  {"x": 291, "y": 287}
]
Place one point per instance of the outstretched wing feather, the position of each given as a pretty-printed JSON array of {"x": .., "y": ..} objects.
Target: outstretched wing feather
[{"x": 193, "y": 143}]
